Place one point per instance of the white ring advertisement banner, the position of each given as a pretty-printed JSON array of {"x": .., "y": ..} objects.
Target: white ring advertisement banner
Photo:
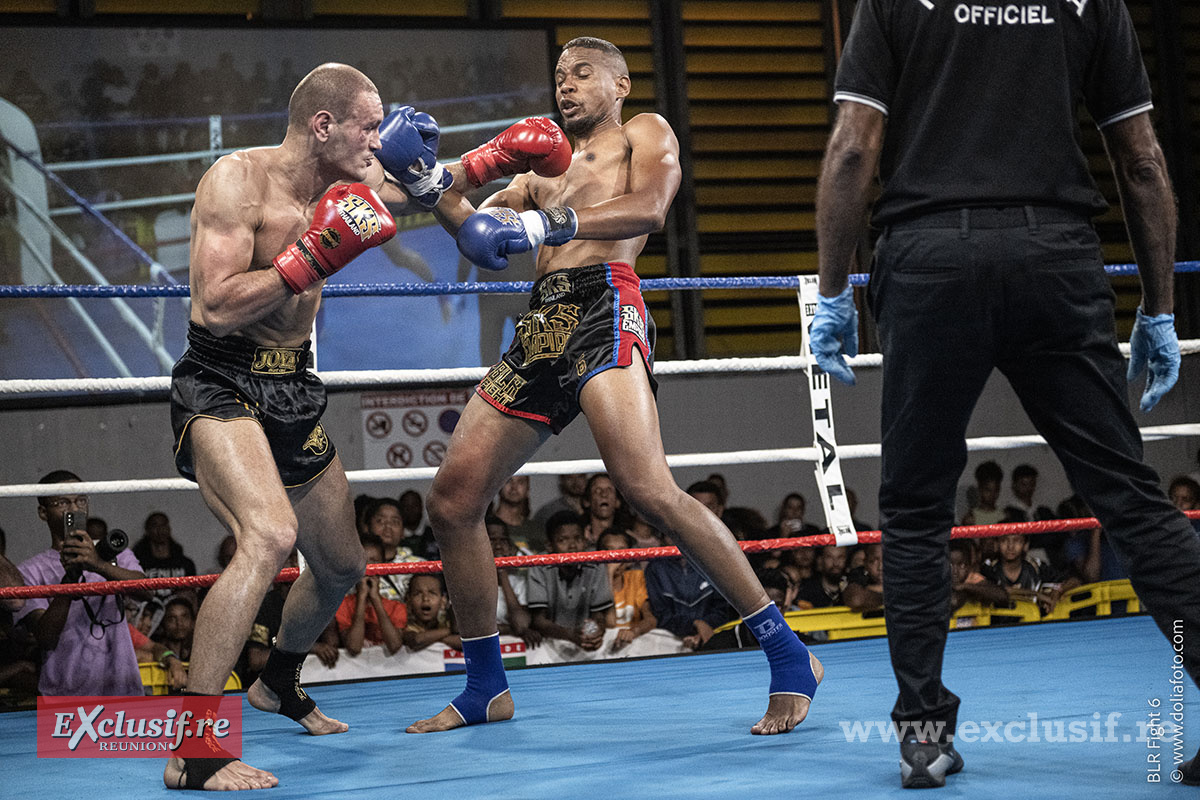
[{"x": 829, "y": 467}]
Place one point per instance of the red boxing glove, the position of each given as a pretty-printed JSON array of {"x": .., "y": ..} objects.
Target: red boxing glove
[
  {"x": 348, "y": 220},
  {"x": 534, "y": 143}
]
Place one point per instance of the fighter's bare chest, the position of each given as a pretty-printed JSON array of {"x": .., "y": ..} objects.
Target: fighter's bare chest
[
  {"x": 280, "y": 226},
  {"x": 594, "y": 176}
]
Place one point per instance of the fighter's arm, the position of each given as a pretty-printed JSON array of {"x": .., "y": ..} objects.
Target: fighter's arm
[
  {"x": 654, "y": 176},
  {"x": 1149, "y": 206},
  {"x": 228, "y": 210},
  {"x": 454, "y": 207},
  {"x": 844, "y": 189}
]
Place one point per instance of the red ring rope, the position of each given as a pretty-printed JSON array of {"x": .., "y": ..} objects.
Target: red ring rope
[{"x": 549, "y": 560}]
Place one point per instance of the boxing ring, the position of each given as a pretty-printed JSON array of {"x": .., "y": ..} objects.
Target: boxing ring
[
  {"x": 678, "y": 727},
  {"x": 672, "y": 726}
]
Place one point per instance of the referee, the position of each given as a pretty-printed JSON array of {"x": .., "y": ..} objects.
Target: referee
[{"x": 987, "y": 259}]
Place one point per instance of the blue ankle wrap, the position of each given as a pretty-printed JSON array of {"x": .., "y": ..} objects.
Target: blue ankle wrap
[
  {"x": 485, "y": 678},
  {"x": 791, "y": 669}
]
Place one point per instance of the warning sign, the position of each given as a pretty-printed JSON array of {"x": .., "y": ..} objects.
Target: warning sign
[{"x": 409, "y": 429}]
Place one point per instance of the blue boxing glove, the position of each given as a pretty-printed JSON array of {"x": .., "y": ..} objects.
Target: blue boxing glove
[
  {"x": 834, "y": 329},
  {"x": 425, "y": 180},
  {"x": 400, "y": 141},
  {"x": 489, "y": 236},
  {"x": 1153, "y": 345}
]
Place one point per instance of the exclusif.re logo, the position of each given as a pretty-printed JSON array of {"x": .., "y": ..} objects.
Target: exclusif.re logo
[
  {"x": 359, "y": 216},
  {"x": 330, "y": 238}
]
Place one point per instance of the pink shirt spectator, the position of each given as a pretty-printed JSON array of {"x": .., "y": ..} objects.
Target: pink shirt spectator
[{"x": 90, "y": 659}]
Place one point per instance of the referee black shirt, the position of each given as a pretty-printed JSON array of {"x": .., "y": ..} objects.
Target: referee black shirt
[{"x": 981, "y": 98}]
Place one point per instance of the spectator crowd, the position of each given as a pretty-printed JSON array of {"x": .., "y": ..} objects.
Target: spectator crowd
[{"x": 93, "y": 646}]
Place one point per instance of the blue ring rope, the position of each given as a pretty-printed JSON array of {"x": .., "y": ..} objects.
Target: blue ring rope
[{"x": 516, "y": 287}]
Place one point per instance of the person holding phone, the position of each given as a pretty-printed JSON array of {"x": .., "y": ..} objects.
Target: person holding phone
[{"x": 86, "y": 643}]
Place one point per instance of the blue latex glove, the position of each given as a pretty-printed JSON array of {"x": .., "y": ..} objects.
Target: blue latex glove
[
  {"x": 1153, "y": 345},
  {"x": 834, "y": 330}
]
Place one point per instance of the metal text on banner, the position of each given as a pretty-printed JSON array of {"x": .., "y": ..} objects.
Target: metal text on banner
[{"x": 829, "y": 467}]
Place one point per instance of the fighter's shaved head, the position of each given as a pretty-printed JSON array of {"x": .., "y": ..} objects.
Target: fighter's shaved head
[
  {"x": 613, "y": 57},
  {"x": 330, "y": 87}
]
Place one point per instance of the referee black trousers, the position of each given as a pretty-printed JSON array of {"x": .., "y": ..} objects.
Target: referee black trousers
[{"x": 1022, "y": 290}]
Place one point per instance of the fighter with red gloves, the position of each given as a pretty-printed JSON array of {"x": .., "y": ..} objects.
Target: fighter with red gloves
[
  {"x": 586, "y": 345},
  {"x": 269, "y": 225}
]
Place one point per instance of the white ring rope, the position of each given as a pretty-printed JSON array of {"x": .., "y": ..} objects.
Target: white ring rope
[
  {"x": 787, "y": 454},
  {"x": 433, "y": 377}
]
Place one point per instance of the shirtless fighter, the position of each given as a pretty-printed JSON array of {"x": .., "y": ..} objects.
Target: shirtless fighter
[
  {"x": 586, "y": 317},
  {"x": 268, "y": 226}
]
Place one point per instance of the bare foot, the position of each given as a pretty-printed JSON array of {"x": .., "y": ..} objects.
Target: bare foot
[
  {"x": 786, "y": 711},
  {"x": 316, "y": 723},
  {"x": 234, "y": 775},
  {"x": 500, "y": 709}
]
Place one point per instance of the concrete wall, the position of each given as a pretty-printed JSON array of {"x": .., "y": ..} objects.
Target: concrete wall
[{"x": 705, "y": 414}]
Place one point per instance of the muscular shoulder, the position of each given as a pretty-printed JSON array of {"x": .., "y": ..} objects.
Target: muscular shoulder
[
  {"x": 235, "y": 184},
  {"x": 648, "y": 128}
]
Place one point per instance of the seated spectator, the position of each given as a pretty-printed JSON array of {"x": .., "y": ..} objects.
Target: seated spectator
[
  {"x": 253, "y": 658},
  {"x": 570, "y": 498},
  {"x": 790, "y": 520},
  {"x": 684, "y": 601},
  {"x": 85, "y": 641},
  {"x": 864, "y": 585},
  {"x": 418, "y": 533},
  {"x": 512, "y": 506},
  {"x": 428, "y": 623},
  {"x": 966, "y": 582},
  {"x": 1023, "y": 578},
  {"x": 985, "y": 510},
  {"x": 160, "y": 555},
  {"x": 630, "y": 612},
  {"x": 384, "y": 520},
  {"x": 1021, "y": 507},
  {"x": 512, "y": 615},
  {"x": 1185, "y": 495},
  {"x": 569, "y": 602},
  {"x": 644, "y": 534},
  {"x": 857, "y": 558},
  {"x": 746, "y": 524},
  {"x": 178, "y": 626},
  {"x": 779, "y": 591},
  {"x": 824, "y": 588},
  {"x": 601, "y": 506},
  {"x": 365, "y": 617},
  {"x": 803, "y": 559}
]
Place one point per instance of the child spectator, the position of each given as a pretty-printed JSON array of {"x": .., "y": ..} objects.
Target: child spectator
[
  {"x": 1185, "y": 494},
  {"x": 365, "y": 616},
  {"x": 512, "y": 615},
  {"x": 984, "y": 509},
  {"x": 1023, "y": 578},
  {"x": 512, "y": 506},
  {"x": 428, "y": 622},
  {"x": 178, "y": 626},
  {"x": 601, "y": 505},
  {"x": 385, "y": 521},
  {"x": 569, "y": 602},
  {"x": 967, "y": 583},
  {"x": 630, "y": 613}
]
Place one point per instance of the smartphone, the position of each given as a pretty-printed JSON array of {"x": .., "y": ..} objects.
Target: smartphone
[{"x": 74, "y": 521}]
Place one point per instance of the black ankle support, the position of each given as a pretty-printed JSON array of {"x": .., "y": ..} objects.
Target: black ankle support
[
  {"x": 282, "y": 676},
  {"x": 198, "y": 770}
]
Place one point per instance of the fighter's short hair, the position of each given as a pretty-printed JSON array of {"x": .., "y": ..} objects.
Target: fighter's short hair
[
  {"x": 613, "y": 54},
  {"x": 330, "y": 87}
]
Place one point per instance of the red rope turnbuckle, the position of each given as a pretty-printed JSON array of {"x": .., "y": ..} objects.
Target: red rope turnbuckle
[{"x": 548, "y": 560}]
